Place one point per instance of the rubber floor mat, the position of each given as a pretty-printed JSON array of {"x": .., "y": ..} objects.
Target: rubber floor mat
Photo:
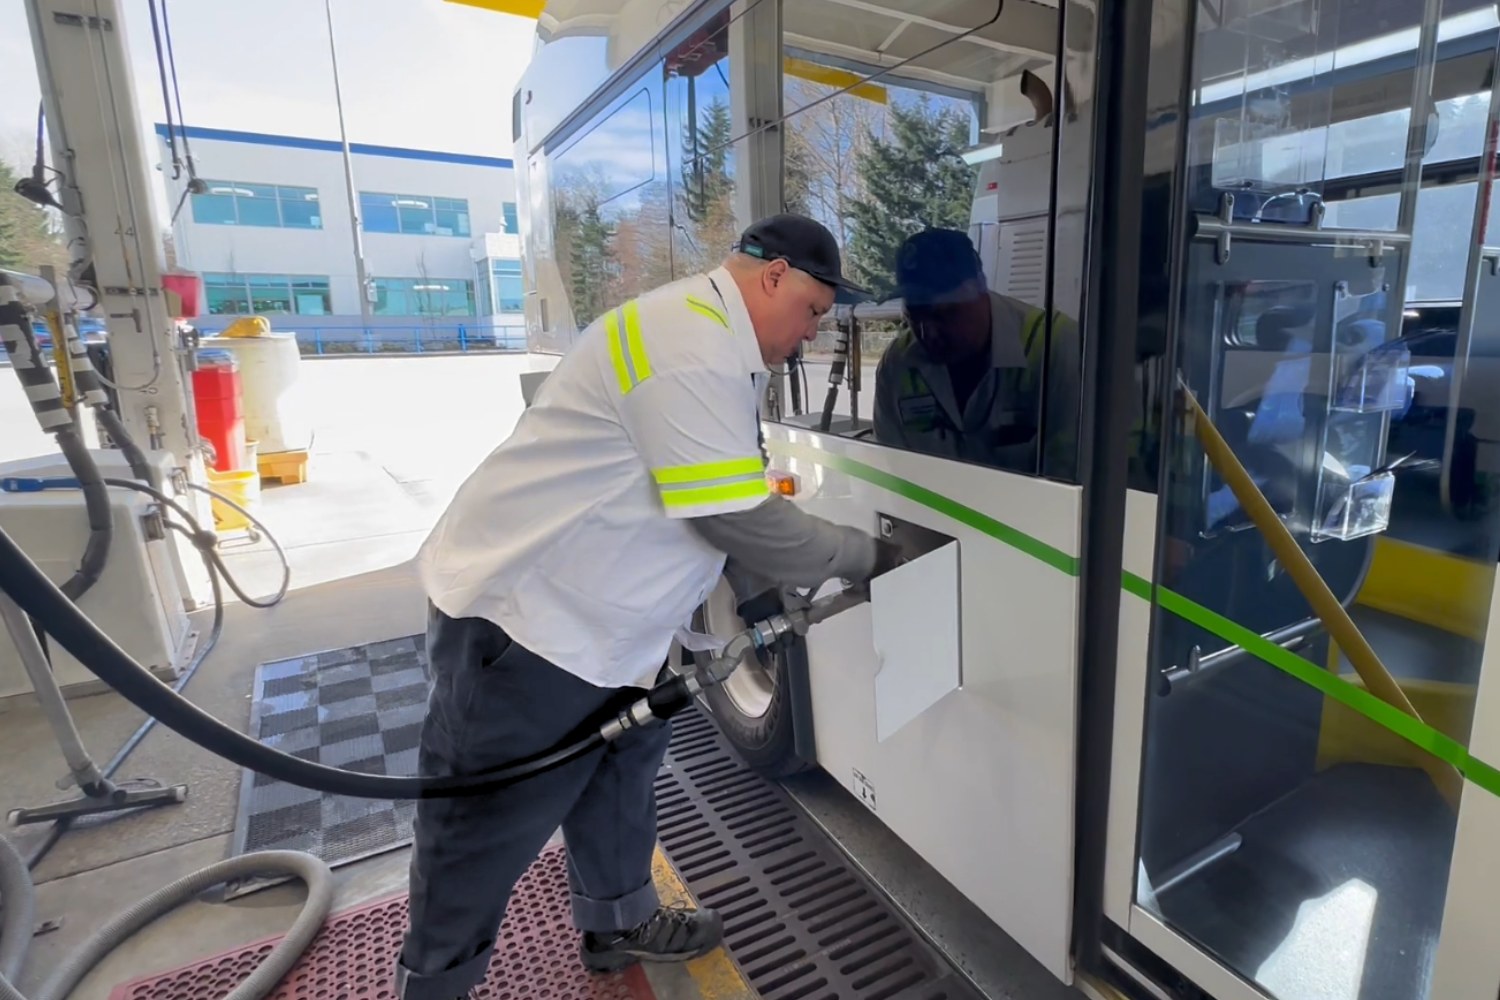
[
  {"x": 354, "y": 955},
  {"x": 358, "y": 708}
]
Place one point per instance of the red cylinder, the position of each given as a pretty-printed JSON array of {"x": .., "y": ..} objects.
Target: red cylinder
[
  {"x": 220, "y": 408},
  {"x": 189, "y": 288}
]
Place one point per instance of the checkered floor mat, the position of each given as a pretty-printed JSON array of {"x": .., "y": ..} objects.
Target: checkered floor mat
[{"x": 359, "y": 708}]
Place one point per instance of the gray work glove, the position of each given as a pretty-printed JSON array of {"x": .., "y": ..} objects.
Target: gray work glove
[{"x": 879, "y": 557}]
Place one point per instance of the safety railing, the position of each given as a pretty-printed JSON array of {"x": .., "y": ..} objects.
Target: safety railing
[{"x": 425, "y": 338}]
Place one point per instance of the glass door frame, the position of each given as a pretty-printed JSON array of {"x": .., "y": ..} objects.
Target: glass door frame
[{"x": 1142, "y": 154}]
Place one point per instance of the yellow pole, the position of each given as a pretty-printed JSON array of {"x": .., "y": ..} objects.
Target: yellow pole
[{"x": 1310, "y": 582}]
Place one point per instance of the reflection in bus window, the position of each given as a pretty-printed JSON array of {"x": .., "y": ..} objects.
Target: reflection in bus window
[
  {"x": 701, "y": 149},
  {"x": 964, "y": 380},
  {"x": 609, "y": 208},
  {"x": 958, "y": 144}
]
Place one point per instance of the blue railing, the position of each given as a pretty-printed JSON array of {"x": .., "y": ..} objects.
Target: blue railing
[{"x": 426, "y": 338}]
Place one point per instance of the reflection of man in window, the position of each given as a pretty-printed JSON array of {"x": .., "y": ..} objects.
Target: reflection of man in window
[{"x": 965, "y": 380}]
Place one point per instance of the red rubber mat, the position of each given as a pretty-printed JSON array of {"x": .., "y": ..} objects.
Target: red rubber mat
[{"x": 352, "y": 958}]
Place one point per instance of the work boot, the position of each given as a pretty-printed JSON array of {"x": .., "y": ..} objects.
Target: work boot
[{"x": 671, "y": 934}]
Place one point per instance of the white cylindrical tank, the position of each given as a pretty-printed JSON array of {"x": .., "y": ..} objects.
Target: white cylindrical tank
[{"x": 277, "y": 412}]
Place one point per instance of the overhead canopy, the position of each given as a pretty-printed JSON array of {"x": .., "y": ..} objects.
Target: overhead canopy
[{"x": 521, "y": 8}]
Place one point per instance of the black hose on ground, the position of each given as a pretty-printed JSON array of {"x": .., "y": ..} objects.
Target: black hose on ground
[{"x": 29, "y": 587}]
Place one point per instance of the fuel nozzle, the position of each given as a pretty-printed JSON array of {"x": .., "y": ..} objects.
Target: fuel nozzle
[{"x": 675, "y": 693}]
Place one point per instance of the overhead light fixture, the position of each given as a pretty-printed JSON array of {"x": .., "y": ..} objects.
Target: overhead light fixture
[{"x": 979, "y": 154}]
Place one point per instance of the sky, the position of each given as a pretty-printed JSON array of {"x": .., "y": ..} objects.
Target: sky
[{"x": 426, "y": 74}]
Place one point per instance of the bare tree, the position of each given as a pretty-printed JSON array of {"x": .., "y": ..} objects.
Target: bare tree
[{"x": 825, "y": 143}]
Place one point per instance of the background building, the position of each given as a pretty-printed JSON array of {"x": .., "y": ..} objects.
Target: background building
[{"x": 272, "y": 237}]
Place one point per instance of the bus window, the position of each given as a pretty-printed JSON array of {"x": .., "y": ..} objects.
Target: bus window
[
  {"x": 937, "y": 181},
  {"x": 703, "y": 156},
  {"x": 609, "y": 197}
]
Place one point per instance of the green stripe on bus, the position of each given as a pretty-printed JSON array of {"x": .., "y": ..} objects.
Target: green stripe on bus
[
  {"x": 1360, "y": 700},
  {"x": 1014, "y": 537}
]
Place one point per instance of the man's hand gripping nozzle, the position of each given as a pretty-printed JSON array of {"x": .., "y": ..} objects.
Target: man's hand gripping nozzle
[{"x": 677, "y": 692}]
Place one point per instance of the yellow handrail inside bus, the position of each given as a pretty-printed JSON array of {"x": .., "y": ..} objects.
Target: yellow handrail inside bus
[{"x": 1309, "y": 581}]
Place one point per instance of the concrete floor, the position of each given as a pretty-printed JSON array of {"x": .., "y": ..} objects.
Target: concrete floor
[{"x": 395, "y": 437}]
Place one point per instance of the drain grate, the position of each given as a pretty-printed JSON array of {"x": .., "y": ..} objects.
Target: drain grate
[
  {"x": 353, "y": 956},
  {"x": 801, "y": 922}
]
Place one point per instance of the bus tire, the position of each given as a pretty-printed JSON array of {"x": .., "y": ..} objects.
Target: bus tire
[{"x": 756, "y": 709}]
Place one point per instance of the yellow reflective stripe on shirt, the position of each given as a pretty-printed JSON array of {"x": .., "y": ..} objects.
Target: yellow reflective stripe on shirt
[
  {"x": 703, "y": 308},
  {"x": 677, "y": 475},
  {"x": 712, "y": 482},
  {"x": 622, "y": 328},
  {"x": 617, "y": 351},
  {"x": 747, "y": 490},
  {"x": 637, "y": 348}
]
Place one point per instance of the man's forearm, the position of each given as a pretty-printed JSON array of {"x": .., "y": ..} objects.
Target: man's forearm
[{"x": 780, "y": 541}]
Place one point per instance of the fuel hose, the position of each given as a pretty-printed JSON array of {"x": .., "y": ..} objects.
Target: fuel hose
[{"x": 39, "y": 597}]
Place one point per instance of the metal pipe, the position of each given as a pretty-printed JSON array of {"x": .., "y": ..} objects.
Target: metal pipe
[
  {"x": 354, "y": 222},
  {"x": 32, "y": 291},
  {"x": 1468, "y": 313},
  {"x": 1209, "y": 228},
  {"x": 1311, "y": 584},
  {"x": 85, "y": 773},
  {"x": 1416, "y": 127}
]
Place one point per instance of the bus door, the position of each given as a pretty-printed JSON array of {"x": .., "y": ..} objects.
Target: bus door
[{"x": 1300, "y": 805}]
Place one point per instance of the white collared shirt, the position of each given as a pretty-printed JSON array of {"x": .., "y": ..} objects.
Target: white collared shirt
[{"x": 573, "y": 534}]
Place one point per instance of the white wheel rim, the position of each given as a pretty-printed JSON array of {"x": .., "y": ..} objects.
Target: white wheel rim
[{"x": 752, "y": 685}]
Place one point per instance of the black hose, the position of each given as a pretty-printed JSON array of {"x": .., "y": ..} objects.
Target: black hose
[
  {"x": 140, "y": 466},
  {"x": 29, "y": 587},
  {"x": 207, "y": 542},
  {"x": 96, "y": 504},
  {"x": 19, "y": 340},
  {"x": 286, "y": 568}
]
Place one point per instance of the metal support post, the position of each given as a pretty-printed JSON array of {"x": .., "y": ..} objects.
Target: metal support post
[{"x": 84, "y": 68}]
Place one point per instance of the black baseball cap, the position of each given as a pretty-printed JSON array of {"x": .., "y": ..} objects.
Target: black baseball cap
[
  {"x": 932, "y": 264},
  {"x": 803, "y": 243}
]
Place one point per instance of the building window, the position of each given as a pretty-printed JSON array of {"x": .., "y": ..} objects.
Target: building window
[
  {"x": 236, "y": 203},
  {"x": 267, "y": 294},
  {"x": 508, "y": 291},
  {"x": 413, "y": 213},
  {"x": 508, "y": 212},
  {"x": 424, "y": 297}
]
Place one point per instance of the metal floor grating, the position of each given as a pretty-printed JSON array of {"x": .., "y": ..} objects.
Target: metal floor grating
[
  {"x": 801, "y": 922},
  {"x": 354, "y": 955}
]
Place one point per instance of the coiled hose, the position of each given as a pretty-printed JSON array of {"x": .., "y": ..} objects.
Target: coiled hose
[{"x": 19, "y": 913}]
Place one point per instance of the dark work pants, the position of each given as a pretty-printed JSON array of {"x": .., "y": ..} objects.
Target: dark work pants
[{"x": 494, "y": 701}]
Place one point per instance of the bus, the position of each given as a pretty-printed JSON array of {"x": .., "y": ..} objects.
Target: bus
[{"x": 1187, "y": 687}]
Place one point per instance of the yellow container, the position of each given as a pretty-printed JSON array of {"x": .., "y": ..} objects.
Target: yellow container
[{"x": 243, "y": 487}]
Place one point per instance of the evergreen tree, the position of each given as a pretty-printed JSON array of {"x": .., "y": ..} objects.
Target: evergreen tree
[
  {"x": 27, "y": 239},
  {"x": 590, "y": 261},
  {"x": 912, "y": 180},
  {"x": 705, "y": 145}
]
